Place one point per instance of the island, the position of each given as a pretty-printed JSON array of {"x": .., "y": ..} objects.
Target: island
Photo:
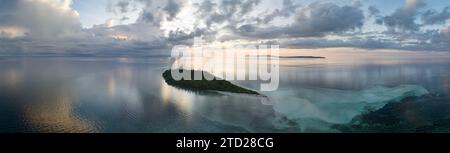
[
  {"x": 301, "y": 57},
  {"x": 204, "y": 84},
  {"x": 293, "y": 57}
]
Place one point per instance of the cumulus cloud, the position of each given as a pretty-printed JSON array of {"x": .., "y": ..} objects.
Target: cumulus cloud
[
  {"x": 373, "y": 11},
  {"x": 41, "y": 19},
  {"x": 404, "y": 18},
  {"x": 173, "y": 7},
  {"x": 108, "y": 24},
  {"x": 230, "y": 11},
  {"x": 52, "y": 26},
  {"x": 48, "y": 19},
  {"x": 432, "y": 17},
  {"x": 315, "y": 20},
  {"x": 150, "y": 11},
  {"x": 431, "y": 40},
  {"x": 38, "y": 25},
  {"x": 287, "y": 10},
  {"x": 447, "y": 31},
  {"x": 214, "y": 17},
  {"x": 405, "y": 31},
  {"x": 441, "y": 37},
  {"x": 123, "y": 5}
]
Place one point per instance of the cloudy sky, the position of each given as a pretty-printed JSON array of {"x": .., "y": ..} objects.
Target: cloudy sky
[{"x": 137, "y": 27}]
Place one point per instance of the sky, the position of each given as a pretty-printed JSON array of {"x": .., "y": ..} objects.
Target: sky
[{"x": 142, "y": 27}]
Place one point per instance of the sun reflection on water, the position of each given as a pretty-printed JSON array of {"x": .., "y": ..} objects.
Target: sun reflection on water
[
  {"x": 56, "y": 115},
  {"x": 10, "y": 78},
  {"x": 183, "y": 100}
]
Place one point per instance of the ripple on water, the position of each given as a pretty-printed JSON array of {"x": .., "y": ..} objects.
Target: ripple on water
[{"x": 56, "y": 117}]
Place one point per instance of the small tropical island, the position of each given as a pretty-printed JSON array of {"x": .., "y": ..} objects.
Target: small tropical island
[{"x": 204, "y": 84}]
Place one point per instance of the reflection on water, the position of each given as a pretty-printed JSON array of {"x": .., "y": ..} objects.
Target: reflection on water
[
  {"x": 70, "y": 94},
  {"x": 55, "y": 114},
  {"x": 10, "y": 78},
  {"x": 180, "y": 98}
]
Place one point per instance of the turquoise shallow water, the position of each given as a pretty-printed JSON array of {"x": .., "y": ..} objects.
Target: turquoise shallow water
[{"x": 86, "y": 94}]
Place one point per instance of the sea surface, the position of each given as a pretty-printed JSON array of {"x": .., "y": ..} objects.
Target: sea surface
[{"x": 348, "y": 91}]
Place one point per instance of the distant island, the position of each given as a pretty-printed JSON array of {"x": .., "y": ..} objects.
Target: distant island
[
  {"x": 204, "y": 84},
  {"x": 300, "y": 57},
  {"x": 270, "y": 56}
]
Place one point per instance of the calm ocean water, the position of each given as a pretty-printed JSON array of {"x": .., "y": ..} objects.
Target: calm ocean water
[{"x": 87, "y": 94}]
